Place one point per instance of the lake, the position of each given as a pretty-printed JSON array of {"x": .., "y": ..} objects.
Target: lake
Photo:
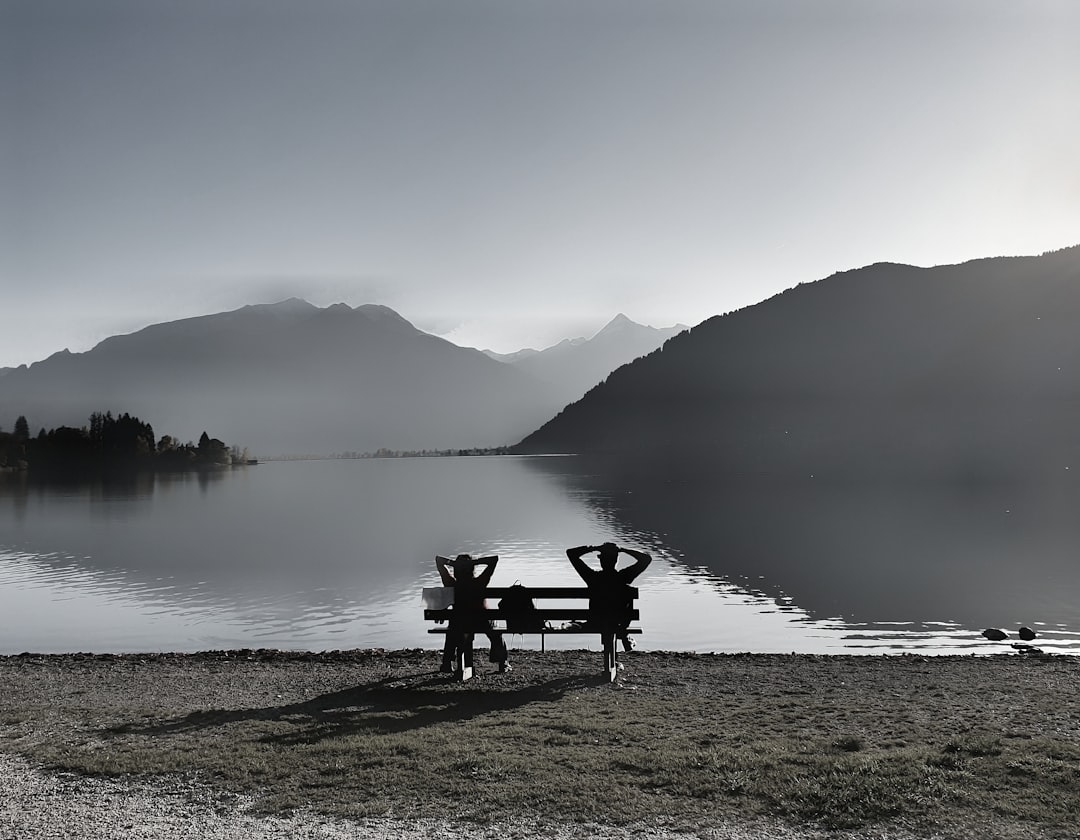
[{"x": 332, "y": 554}]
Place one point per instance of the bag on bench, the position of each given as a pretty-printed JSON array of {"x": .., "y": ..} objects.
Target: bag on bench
[{"x": 526, "y": 619}]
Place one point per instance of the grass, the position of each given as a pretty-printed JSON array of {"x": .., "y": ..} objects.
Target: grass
[{"x": 826, "y": 754}]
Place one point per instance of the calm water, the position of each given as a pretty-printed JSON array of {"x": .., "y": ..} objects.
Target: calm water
[{"x": 333, "y": 554}]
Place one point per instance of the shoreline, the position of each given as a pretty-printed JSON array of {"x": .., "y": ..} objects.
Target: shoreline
[
  {"x": 338, "y": 743},
  {"x": 361, "y": 655}
]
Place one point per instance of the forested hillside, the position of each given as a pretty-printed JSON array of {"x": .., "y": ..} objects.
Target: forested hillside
[{"x": 972, "y": 369}]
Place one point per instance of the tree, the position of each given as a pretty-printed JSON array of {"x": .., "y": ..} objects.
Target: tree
[
  {"x": 212, "y": 450},
  {"x": 22, "y": 428},
  {"x": 97, "y": 427}
]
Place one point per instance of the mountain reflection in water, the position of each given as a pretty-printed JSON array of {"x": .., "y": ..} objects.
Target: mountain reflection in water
[{"x": 885, "y": 558}]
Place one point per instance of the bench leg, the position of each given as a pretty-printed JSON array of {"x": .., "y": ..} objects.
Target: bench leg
[
  {"x": 463, "y": 663},
  {"x": 611, "y": 665}
]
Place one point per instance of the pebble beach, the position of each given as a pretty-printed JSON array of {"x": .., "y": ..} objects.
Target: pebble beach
[{"x": 56, "y": 707}]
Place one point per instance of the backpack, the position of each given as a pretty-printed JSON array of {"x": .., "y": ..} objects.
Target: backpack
[{"x": 526, "y": 618}]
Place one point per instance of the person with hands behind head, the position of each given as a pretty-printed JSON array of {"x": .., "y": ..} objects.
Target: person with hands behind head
[
  {"x": 609, "y": 599},
  {"x": 469, "y": 605}
]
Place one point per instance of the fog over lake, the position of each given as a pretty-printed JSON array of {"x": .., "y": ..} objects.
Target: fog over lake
[{"x": 333, "y": 554}]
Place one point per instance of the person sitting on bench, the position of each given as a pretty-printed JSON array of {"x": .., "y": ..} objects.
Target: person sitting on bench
[
  {"x": 608, "y": 598},
  {"x": 469, "y": 605}
]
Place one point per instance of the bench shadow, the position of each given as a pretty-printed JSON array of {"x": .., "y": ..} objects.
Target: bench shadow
[{"x": 392, "y": 704}]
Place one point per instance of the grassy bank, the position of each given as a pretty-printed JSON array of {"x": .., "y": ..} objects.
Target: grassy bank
[{"x": 972, "y": 746}]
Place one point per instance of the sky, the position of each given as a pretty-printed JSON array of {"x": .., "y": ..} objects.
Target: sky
[{"x": 507, "y": 173}]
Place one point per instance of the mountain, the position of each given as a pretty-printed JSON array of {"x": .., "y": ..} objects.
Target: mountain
[
  {"x": 288, "y": 378},
  {"x": 967, "y": 369},
  {"x": 574, "y": 365}
]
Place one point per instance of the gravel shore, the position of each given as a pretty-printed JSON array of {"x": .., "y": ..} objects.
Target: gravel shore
[
  {"x": 38, "y": 805},
  {"x": 50, "y": 699},
  {"x": 65, "y": 806}
]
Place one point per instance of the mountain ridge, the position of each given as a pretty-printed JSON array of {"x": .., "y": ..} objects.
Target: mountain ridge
[
  {"x": 289, "y": 364},
  {"x": 886, "y": 367},
  {"x": 339, "y": 378}
]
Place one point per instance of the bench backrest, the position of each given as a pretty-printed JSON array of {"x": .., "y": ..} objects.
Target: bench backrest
[{"x": 538, "y": 593}]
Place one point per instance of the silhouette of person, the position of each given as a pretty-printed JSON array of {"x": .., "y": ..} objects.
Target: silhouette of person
[
  {"x": 469, "y": 606},
  {"x": 609, "y": 599}
]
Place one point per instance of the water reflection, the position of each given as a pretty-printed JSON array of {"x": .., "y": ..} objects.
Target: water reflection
[
  {"x": 932, "y": 559},
  {"x": 332, "y": 554}
]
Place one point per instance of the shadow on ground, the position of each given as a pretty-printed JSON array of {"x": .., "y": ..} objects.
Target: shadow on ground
[{"x": 392, "y": 704}]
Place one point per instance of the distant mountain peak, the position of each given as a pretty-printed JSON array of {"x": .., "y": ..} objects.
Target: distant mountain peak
[
  {"x": 619, "y": 322},
  {"x": 575, "y": 365}
]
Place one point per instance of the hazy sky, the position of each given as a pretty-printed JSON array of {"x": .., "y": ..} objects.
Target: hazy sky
[{"x": 508, "y": 173}]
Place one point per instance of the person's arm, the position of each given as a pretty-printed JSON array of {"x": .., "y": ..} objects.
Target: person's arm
[
  {"x": 580, "y": 566},
  {"x": 642, "y": 560},
  {"x": 484, "y": 578},
  {"x": 442, "y": 564}
]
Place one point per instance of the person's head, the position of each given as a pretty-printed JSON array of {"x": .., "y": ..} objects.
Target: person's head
[
  {"x": 608, "y": 554},
  {"x": 464, "y": 566}
]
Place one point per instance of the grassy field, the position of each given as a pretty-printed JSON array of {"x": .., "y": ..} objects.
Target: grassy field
[{"x": 968, "y": 746}]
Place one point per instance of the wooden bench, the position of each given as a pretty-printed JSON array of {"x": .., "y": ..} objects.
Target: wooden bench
[{"x": 553, "y": 620}]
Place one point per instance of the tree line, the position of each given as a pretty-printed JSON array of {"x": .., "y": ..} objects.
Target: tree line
[
  {"x": 109, "y": 444},
  {"x": 424, "y": 453}
]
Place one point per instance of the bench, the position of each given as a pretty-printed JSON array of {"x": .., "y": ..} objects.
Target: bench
[{"x": 553, "y": 620}]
